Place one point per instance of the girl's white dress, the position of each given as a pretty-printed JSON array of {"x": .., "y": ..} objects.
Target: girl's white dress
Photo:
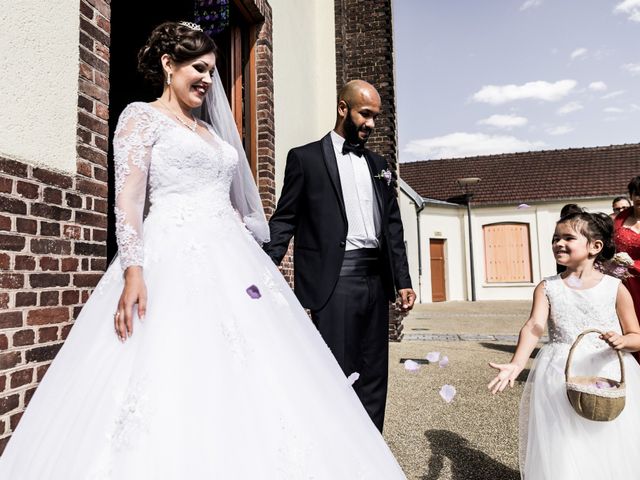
[
  {"x": 555, "y": 442},
  {"x": 225, "y": 378}
]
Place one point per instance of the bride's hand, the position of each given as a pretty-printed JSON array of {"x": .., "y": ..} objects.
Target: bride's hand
[
  {"x": 507, "y": 374},
  {"x": 134, "y": 292}
]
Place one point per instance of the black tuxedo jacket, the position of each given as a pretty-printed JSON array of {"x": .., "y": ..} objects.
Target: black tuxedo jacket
[{"x": 311, "y": 209}]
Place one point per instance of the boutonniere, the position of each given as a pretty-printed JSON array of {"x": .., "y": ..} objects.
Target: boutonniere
[{"x": 385, "y": 175}]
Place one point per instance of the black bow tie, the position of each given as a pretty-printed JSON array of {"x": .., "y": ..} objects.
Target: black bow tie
[{"x": 355, "y": 149}]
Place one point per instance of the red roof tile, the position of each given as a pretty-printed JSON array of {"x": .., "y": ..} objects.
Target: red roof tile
[{"x": 529, "y": 176}]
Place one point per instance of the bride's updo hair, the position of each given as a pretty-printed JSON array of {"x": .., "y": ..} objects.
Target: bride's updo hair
[{"x": 180, "y": 42}]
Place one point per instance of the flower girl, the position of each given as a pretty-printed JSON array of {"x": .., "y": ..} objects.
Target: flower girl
[{"x": 555, "y": 442}]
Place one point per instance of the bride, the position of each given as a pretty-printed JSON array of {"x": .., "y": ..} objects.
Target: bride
[{"x": 214, "y": 370}]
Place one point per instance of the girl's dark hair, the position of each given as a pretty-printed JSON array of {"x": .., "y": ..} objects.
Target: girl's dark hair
[
  {"x": 180, "y": 42},
  {"x": 570, "y": 208},
  {"x": 634, "y": 186},
  {"x": 594, "y": 226}
]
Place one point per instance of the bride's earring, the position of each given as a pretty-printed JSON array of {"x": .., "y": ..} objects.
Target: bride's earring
[{"x": 169, "y": 78}]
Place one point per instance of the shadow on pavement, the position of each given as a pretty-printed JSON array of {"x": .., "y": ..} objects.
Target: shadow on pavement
[
  {"x": 466, "y": 463},
  {"x": 507, "y": 348}
]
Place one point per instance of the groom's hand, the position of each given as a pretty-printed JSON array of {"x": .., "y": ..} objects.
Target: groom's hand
[{"x": 408, "y": 298}]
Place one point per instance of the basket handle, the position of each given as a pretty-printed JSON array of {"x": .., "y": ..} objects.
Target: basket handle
[{"x": 575, "y": 344}]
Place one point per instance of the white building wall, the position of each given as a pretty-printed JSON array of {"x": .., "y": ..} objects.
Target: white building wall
[
  {"x": 39, "y": 56},
  {"x": 304, "y": 74},
  {"x": 450, "y": 223}
]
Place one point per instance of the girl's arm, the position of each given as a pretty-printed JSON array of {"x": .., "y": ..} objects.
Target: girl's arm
[
  {"x": 630, "y": 339},
  {"x": 529, "y": 337}
]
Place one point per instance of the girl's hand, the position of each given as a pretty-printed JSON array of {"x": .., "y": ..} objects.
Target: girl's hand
[
  {"x": 508, "y": 372},
  {"x": 134, "y": 292},
  {"x": 615, "y": 340}
]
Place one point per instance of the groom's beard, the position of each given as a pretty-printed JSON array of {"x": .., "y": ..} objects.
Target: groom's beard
[{"x": 351, "y": 131}]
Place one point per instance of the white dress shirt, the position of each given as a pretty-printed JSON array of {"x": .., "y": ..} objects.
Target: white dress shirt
[{"x": 363, "y": 216}]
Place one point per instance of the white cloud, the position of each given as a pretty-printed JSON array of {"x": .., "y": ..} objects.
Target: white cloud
[
  {"x": 504, "y": 121},
  {"x": 540, "y": 90},
  {"x": 613, "y": 110},
  {"x": 569, "y": 108},
  {"x": 461, "y": 144},
  {"x": 632, "y": 68},
  {"x": 597, "y": 86},
  {"x": 578, "y": 53},
  {"x": 530, "y": 4},
  {"x": 617, "y": 93},
  {"x": 560, "y": 130},
  {"x": 630, "y": 8}
]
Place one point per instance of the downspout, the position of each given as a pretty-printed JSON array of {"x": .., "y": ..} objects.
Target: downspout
[{"x": 418, "y": 210}]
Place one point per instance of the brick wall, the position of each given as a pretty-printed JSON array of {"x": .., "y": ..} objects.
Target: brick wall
[
  {"x": 53, "y": 233},
  {"x": 364, "y": 50}
]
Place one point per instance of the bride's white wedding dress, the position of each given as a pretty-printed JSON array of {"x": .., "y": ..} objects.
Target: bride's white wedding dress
[{"x": 215, "y": 383}]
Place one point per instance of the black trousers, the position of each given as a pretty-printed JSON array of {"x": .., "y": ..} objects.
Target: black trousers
[{"x": 355, "y": 325}]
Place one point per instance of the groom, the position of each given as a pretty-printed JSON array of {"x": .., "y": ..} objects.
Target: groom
[{"x": 339, "y": 204}]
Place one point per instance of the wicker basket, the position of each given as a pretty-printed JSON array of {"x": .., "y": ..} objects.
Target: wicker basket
[{"x": 589, "y": 401}]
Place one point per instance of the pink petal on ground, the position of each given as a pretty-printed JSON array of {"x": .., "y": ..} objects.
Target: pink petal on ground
[
  {"x": 447, "y": 392},
  {"x": 433, "y": 357},
  {"x": 600, "y": 384},
  {"x": 253, "y": 292},
  {"x": 444, "y": 361},
  {"x": 522, "y": 205},
  {"x": 353, "y": 378},
  {"x": 411, "y": 365}
]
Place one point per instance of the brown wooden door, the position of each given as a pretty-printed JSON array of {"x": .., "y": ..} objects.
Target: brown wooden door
[{"x": 438, "y": 289}]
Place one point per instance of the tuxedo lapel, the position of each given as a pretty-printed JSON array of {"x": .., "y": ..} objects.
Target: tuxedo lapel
[
  {"x": 377, "y": 183},
  {"x": 331, "y": 163}
]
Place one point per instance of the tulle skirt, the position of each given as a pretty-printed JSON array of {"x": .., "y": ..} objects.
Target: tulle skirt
[
  {"x": 225, "y": 378},
  {"x": 555, "y": 442}
]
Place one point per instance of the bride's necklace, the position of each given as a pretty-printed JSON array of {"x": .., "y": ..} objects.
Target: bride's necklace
[{"x": 190, "y": 127}]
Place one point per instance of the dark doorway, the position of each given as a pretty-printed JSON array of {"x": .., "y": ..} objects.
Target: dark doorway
[{"x": 131, "y": 24}]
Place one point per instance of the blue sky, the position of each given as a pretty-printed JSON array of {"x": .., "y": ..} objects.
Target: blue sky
[{"x": 496, "y": 76}]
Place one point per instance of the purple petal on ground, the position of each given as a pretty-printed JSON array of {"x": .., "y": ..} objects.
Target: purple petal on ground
[
  {"x": 253, "y": 292},
  {"x": 353, "y": 378},
  {"x": 444, "y": 361},
  {"x": 411, "y": 365},
  {"x": 433, "y": 357},
  {"x": 601, "y": 384},
  {"x": 447, "y": 392}
]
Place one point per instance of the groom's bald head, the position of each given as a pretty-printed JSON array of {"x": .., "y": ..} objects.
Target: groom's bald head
[{"x": 358, "y": 108}]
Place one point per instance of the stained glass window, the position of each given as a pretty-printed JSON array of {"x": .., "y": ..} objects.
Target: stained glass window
[{"x": 212, "y": 15}]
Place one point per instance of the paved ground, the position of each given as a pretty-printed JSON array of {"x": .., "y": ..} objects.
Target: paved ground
[{"x": 475, "y": 437}]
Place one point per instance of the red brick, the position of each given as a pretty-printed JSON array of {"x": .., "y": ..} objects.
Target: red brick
[
  {"x": 11, "y": 280},
  {"x": 49, "y": 264},
  {"x": 14, "y": 420},
  {"x": 5, "y": 223},
  {"x": 12, "y": 205},
  {"x": 92, "y": 219},
  {"x": 9, "y": 403},
  {"x": 99, "y": 235},
  {"x": 102, "y": 81},
  {"x": 21, "y": 378},
  {"x": 24, "y": 262},
  {"x": 47, "y": 316},
  {"x": 85, "y": 296},
  {"x": 28, "y": 395},
  {"x": 102, "y": 7},
  {"x": 72, "y": 200},
  {"x": 103, "y": 23},
  {"x": 3, "y": 444},
  {"x": 27, "y": 190},
  {"x": 25, "y": 225},
  {"x": 100, "y": 205},
  {"x": 9, "y": 360},
  {"x": 84, "y": 168},
  {"x": 49, "y": 229},
  {"x": 100, "y": 174},
  {"x": 70, "y": 297},
  {"x": 86, "y": 70},
  {"x": 50, "y": 211},
  {"x": 42, "y": 369},
  {"x": 13, "y": 243},
  {"x": 4, "y": 344},
  {"x": 96, "y": 156},
  {"x": 48, "y": 247},
  {"x": 85, "y": 103},
  {"x": 97, "y": 92},
  {"x": 12, "y": 167},
  {"x": 102, "y": 110},
  {"x": 99, "y": 264},
  {"x": 23, "y": 337},
  {"x": 86, "y": 279},
  {"x": 52, "y": 195},
  {"x": 4, "y": 300},
  {"x": 47, "y": 334},
  {"x": 95, "y": 33},
  {"x": 65, "y": 332},
  {"x": 42, "y": 354},
  {"x": 69, "y": 264},
  {"x": 10, "y": 319},
  {"x": 26, "y": 299},
  {"x": 90, "y": 187},
  {"x": 5, "y": 261},
  {"x": 6, "y": 185},
  {"x": 92, "y": 123},
  {"x": 90, "y": 249},
  {"x": 47, "y": 280},
  {"x": 72, "y": 232},
  {"x": 49, "y": 298},
  {"x": 52, "y": 178},
  {"x": 86, "y": 232}
]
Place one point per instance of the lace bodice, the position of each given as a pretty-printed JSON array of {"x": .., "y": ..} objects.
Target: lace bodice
[
  {"x": 160, "y": 162},
  {"x": 572, "y": 311}
]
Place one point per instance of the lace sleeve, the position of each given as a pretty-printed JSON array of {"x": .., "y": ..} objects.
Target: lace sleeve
[{"x": 134, "y": 137}]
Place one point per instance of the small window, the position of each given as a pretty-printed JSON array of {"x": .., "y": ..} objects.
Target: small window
[{"x": 507, "y": 253}]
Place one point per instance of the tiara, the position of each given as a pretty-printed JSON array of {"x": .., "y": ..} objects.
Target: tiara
[{"x": 191, "y": 25}]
